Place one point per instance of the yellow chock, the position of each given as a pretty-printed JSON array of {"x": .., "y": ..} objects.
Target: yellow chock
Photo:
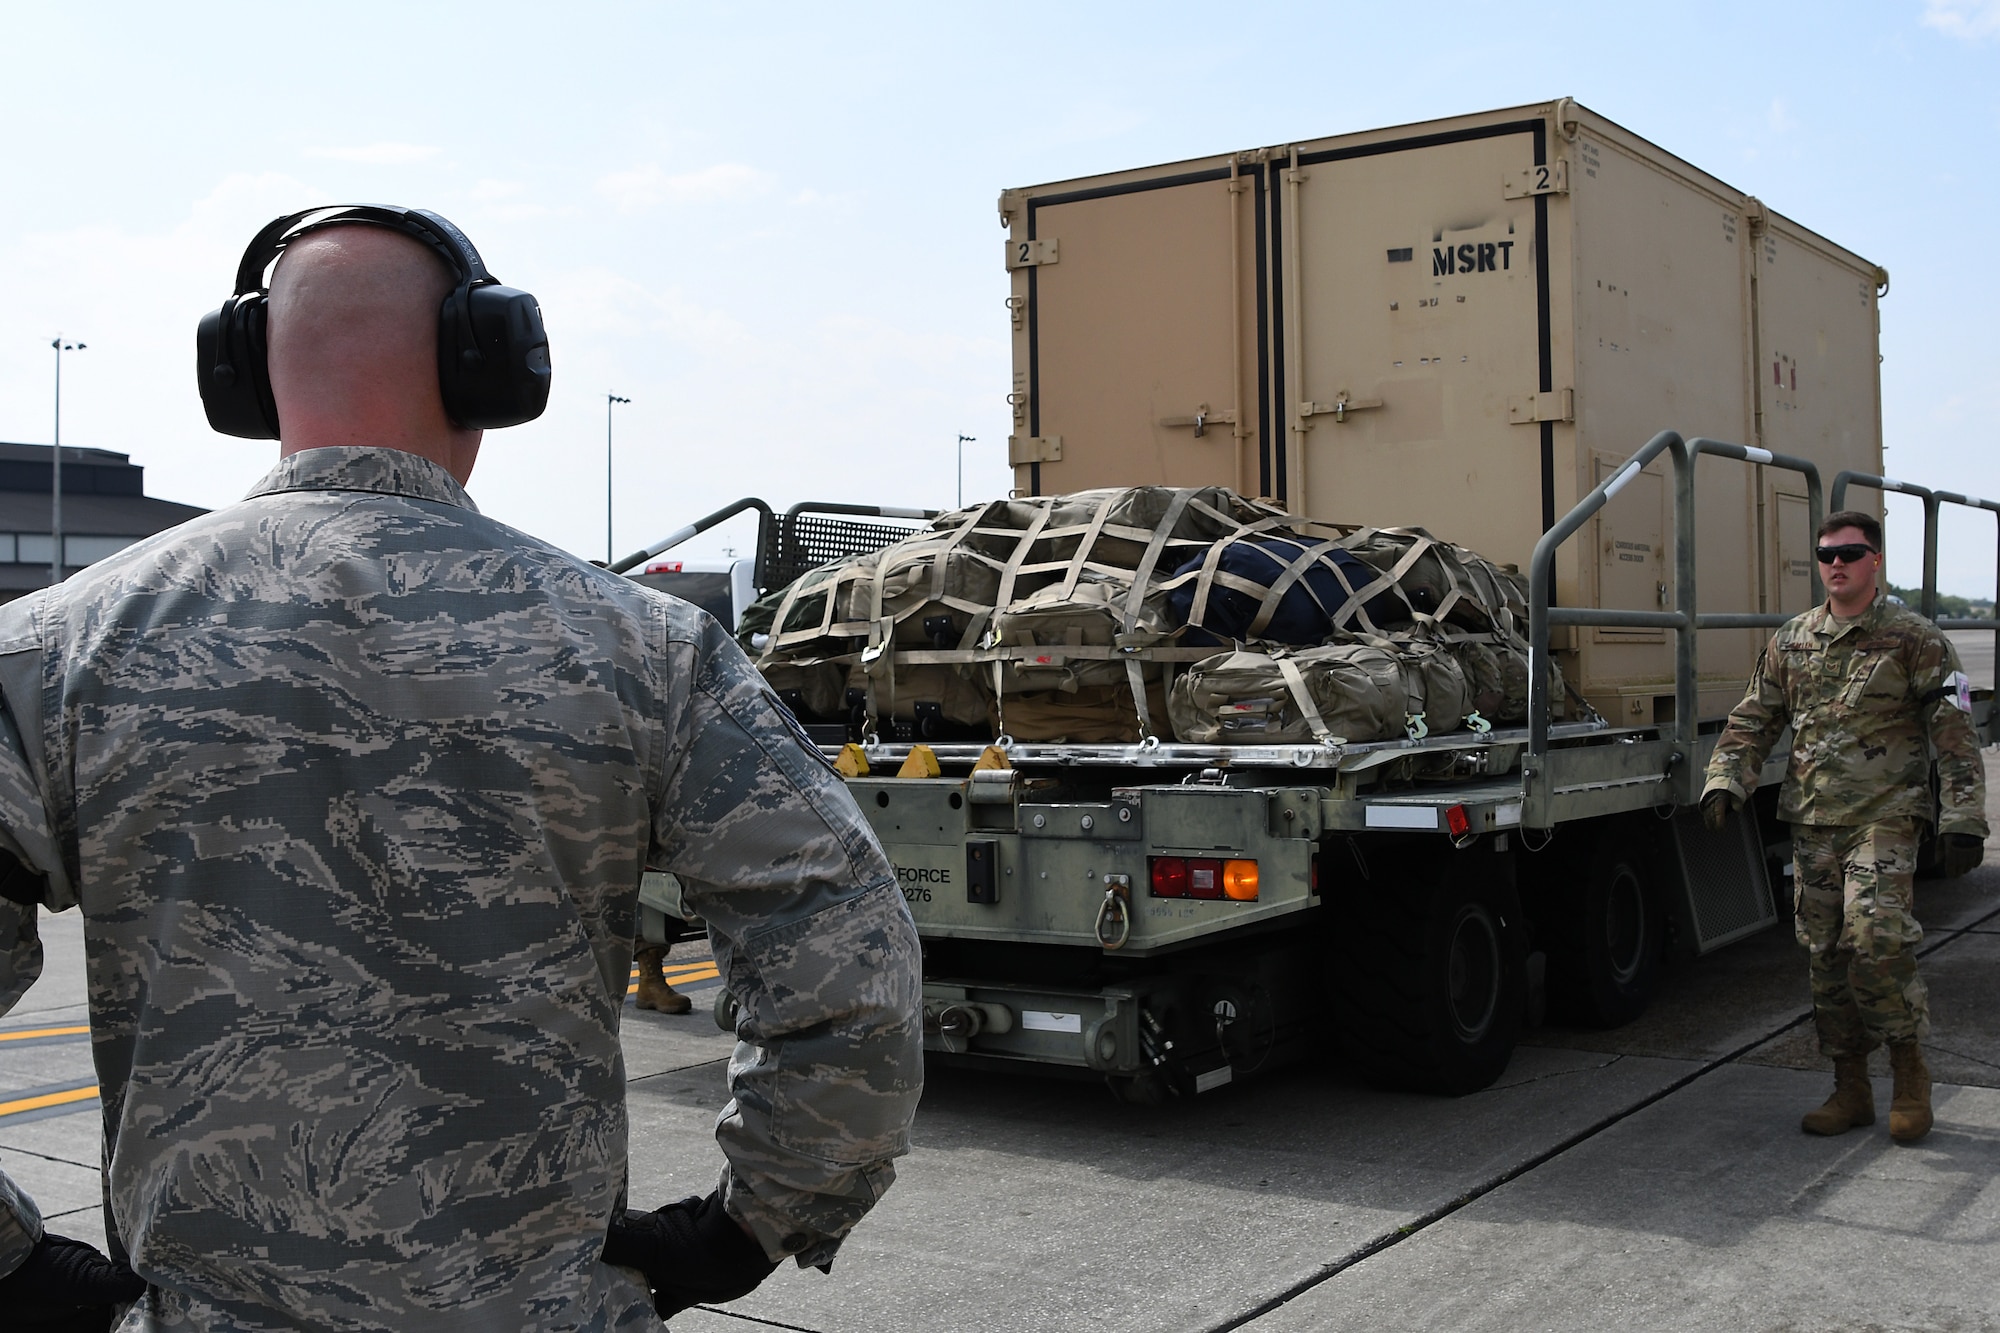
[
  {"x": 992, "y": 759},
  {"x": 851, "y": 763},
  {"x": 922, "y": 763}
]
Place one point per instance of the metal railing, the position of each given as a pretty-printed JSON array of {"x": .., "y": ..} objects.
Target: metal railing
[
  {"x": 785, "y": 541},
  {"x": 1684, "y": 620},
  {"x": 1934, "y": 502},
  {"x": 766, "y": 521},
  {"x": 1927, "y": 605}
]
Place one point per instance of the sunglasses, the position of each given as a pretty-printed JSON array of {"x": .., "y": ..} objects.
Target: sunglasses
[{"x": 1847, "y": 554}]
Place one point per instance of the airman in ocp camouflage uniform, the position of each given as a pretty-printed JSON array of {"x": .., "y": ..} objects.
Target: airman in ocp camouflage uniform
[
  {"x": 1871, "y": 692},
  {"x": 354, "y": 787}
]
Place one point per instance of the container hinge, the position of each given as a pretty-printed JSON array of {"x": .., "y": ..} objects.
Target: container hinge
[
  {"x": 1029, "y": 254},
  {"x": 1023, "y": 449},
  {"x": 1203, "y": 418},
  {"x": 1547, "y": 178},
  {"x": 1557, "y": 405},
  {"x": 1010, "y": 203}
]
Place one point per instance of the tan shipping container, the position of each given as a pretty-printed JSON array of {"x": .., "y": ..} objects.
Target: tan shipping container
[{"x": 1462, "y": 325}]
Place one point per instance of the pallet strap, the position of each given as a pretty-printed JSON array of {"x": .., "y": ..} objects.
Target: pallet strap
[{"x": 1295, "y": 681}]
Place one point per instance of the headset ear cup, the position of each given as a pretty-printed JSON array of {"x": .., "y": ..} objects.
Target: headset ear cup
[
  {"x": 233, "y": 372},
  {"x": 257, "y": 360},
  {"x": 500, "y": 375},
  {"x": 457, "y": 386}
]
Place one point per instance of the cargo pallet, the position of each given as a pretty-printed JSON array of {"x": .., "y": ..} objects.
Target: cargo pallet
[{"x": 1171, "y": 917}]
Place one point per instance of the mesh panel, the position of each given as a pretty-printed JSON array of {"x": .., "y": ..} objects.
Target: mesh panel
[
  {"x": 1724, "y": 876},
  {"x": 817, "y": 539}
]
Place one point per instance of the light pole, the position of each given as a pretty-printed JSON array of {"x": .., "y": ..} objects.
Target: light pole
[
  {"x": 610, "y": 400},
  {"x": 963, "y": 440},
  {"x": 55, "y": 487}
]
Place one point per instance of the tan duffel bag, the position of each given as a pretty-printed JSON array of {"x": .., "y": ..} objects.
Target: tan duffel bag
[
  {"x": 909, "y": 692},
  {"x": 1498, "y": 672},
  {"x": 1449, "y": 582},
  {"x": 1348, "y": 691},
  {"x": 1366, "y": 689},
  {"x": 1091, "y": 715},
  {"x": 821, "y": 688},
  {"x": 1082, "y": 632},
  {"x": 1438, "y": 696}
]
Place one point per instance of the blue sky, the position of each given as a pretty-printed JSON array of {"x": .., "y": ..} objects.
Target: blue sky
[{"x": 772, "y": 226}]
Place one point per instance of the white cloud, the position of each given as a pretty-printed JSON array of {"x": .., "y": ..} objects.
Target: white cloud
[
  {"x": 378, "y": 154},
  {"x": 1780, "y": 117},
  {"x": 647, "y": 186},
  {"x": 1967, "y": 20}
]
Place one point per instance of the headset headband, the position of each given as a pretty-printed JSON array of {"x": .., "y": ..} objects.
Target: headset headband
[{"x": 419, "y": 224}]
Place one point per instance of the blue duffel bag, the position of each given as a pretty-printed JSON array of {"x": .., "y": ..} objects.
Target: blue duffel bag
[{"x": 1245, "y": 569}]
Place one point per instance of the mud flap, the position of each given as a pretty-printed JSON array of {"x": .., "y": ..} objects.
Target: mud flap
[{"x": 1725, "y": 890}]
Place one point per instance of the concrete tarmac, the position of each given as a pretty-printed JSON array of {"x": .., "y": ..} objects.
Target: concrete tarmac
[
  {"x": 1975, "y": 654},
  {"x": 1649, "y": 1177}
]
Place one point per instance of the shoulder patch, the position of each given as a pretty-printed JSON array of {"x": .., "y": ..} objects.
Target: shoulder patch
[{"x": 798, "y": 731}]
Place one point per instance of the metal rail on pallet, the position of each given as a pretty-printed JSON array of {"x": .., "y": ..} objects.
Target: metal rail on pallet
[
  {"x": 1680, "y": 777},
  {"x": 1176, "y": 754}
]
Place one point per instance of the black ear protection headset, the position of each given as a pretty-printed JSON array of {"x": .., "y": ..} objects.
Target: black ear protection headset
[{"x": 493, "y": 357}]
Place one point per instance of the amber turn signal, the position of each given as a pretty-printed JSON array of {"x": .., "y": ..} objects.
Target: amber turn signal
[{"x": 1239, "y": 881}]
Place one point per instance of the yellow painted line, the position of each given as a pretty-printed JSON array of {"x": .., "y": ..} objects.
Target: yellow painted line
[
  {"x": 63, "y": 1098},
  {"x": 706, "y": 967},
  {"x": 704, "y": 973},
  {"x": 25, "y": 1034}
]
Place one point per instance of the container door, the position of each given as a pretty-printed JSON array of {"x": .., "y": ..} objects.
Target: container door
[
  {"x": 1632, "y": 550},
  {"x": 1138, "y": 304},
  {"x": 1417, "y": 339},
  {"x": 1795, "y": 555},
  {"x": 1819, "y": 384}
]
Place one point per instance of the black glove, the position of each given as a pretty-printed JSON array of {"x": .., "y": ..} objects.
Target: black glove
[
  {"x": 67, "y": 1286},
  {"x": 1717, "y": 807},
  {"x": 691, "y": 1252},
  {"x": 1962, "y": 851}
]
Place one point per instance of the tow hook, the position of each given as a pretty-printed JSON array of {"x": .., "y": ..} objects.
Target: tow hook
[{"x": 1114, "y": 914}]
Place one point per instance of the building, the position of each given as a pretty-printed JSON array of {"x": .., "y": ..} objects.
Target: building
[{"x": 105, "y": 509}]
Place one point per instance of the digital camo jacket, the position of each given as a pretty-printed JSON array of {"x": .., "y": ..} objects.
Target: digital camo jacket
[
  {"x": 1868, "y": 704},
  {"x": 355, "y": 787}
]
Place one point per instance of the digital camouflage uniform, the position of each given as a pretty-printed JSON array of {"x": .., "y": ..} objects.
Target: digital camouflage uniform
[
  {"x": 354, "y": 787},
  {"x": 1869, "y": 703}
]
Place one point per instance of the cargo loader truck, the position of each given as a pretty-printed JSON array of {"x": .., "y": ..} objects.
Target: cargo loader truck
[{"x": 1479, "y": 326}]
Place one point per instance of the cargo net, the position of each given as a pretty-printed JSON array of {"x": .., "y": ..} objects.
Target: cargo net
[
  {"x": 808, "y": 541},
  {"x": 1113, "y": 616}
]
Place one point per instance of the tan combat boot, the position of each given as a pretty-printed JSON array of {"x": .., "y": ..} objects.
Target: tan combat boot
[
  {"x": 654, "y": 992},
  {"x": 1852, "y": 1103},
  {"x": 1910, "y": 1102}
]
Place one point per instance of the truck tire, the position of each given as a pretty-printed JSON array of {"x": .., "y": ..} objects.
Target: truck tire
[
  {"x": 1607, "y": 936},
  {"x": 1430, "y": 981}
]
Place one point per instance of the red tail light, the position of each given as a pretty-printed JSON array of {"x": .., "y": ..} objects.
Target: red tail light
[
  {"x": 1455, "y": 819},
  {"x": 1201, "y": 877}
]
